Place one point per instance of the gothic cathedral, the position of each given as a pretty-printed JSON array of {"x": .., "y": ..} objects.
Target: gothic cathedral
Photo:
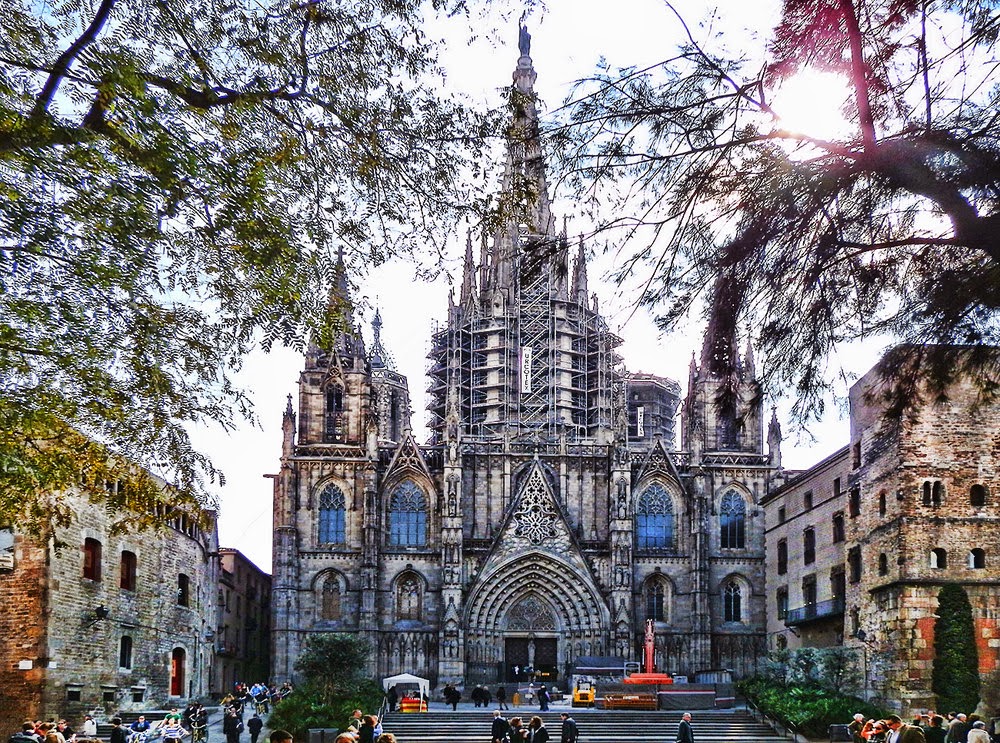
[{"x": 551, "y": 512}]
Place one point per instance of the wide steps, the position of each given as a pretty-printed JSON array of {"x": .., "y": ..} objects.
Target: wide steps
[{"x": 596, "y": 726}]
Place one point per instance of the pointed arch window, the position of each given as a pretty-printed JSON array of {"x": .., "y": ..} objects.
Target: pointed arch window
[
  {"x": 657, "y": 600},
  {"x": 408, "y": 598},
  {"x": 654, "y": 519},
  {"x": 732, "y": 602},
  {"x": 332, "y": 512},
  {"x": 329, "y": 609},
  {"x": 732, "y": 521},
  {"x": 408, "y": 516}
]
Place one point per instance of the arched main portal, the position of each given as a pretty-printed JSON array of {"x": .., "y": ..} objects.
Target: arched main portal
[{"x": 533, "y": 610}]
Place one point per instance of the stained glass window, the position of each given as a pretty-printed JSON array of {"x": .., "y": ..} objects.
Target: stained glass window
[
  {"x": 654, "y": 519},
  {"x": 332, "y": 508},
  {"x": 732, "y": 600},
  {"x": 408, "y": 596},
  {"x": 732, "y": 521},
  {"x": 408, "y": 516},
  {"x": 656, "y": 600}
]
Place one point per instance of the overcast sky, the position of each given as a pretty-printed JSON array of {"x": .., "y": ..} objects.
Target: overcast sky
[{"x": 567, "y": 41}]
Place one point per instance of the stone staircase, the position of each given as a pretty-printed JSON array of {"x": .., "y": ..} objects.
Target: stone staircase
[{"x": 596, "y": 726}]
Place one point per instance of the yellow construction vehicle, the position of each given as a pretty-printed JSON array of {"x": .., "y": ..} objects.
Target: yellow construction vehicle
[{"x": 583, "y": 693}]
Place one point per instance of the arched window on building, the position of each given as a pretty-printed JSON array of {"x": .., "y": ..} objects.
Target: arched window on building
[
  {"x": 183, "y": 590},
  {"x": 125, "y": 652},
  {"x": 408, "y": 598},
  {"x": 932, "y": 493},
  {"x": 882, "y": 506},
  {"x": 977, "y": 495},
  {"x": 329, "y": 606},
  {"x": 128, "y": 571},
  {"x": 394, "y": 415},
  {"x": 91, "y": 559},
  {"x": 883, "y": 564},
  {"x": 408, "y": 516},
  {"x": 732, "y": 602},
  {"x": 654, "y": 519},
  {"x": 732, "y": 521},
  {"x": 939, "y": 558},
  {"x": 332, "y": 512},
  {"x": 977, "y": 559},
  {"x": 657, "y": 596}
]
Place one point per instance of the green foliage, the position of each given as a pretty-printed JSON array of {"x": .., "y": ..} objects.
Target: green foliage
[
  {"x": 834, "y": 668},
  {"x": 175, "y": 180},
  {"x": 887, "y": 229},
  {"x": 955, "y": 676},
  {"x": 332, "y": 666},
  {"x": 808, "y": 708}
]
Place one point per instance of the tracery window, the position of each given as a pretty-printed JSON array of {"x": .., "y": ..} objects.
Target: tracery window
[
  {"x": 732, "y": 602},
  {"x": 330, "y": 599},
  {"x": 332, "y": 510},
  {"x": 408, "y": 598},
  {"x": 654, "y": 519},
  {"x": 732, "y": 521},
  {"x": 408, "y": 516},
  {"x": 657, "y": 600}
]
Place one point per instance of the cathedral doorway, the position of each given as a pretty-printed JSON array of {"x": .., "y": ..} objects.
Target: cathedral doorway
[{"x": 531, "y": 659}]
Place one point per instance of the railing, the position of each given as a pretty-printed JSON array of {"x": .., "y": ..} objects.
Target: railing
[
  {"x": 784, "y": 730},
  {"x": 815, "y": 612}
]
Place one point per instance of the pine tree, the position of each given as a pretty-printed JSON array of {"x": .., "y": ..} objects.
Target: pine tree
[{"x": 955, "y": 677}]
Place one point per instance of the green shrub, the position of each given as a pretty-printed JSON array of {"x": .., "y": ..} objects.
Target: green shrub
[
  {"x": 808, "y": 708},
  {"x": 307, "y": 707},
  {"x": 955, "y": 677}
]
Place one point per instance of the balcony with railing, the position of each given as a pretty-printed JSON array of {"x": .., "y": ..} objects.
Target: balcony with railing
[{"x": 815, "y": 612}]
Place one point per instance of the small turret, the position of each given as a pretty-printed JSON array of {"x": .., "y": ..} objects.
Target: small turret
[
  {"x": 288, "y": 429},
  {"x": 774, "y": 439}
]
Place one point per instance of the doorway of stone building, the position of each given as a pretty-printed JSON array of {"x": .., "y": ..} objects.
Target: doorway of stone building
[
  {"x": 531, "y": 658},
  {"x": 177, "y": 659}
]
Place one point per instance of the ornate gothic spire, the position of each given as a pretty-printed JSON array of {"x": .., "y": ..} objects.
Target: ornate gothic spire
[
  {"x": 468, "y": 295},
  {"x": 380, "y": 357}
]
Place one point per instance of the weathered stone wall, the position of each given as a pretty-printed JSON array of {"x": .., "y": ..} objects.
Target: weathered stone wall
[
  {"x": 951, "y": 446},
  {"x": 22, "y": 635},
  {"x": 77, "y": 654}
]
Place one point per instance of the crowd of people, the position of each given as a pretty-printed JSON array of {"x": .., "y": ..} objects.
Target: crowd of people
[
  {"x": 364, "y": 729},
  {"x": 515, "y": 731},
  {"x": 929, "y": 727}
]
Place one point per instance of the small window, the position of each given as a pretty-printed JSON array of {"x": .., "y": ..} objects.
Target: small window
[
  {"x": 91, "y": 559},
  {"x": 781, "y": 599},
  {"x": 807, "y": 500},
  {"x": 781, "y": 515},
  {"x": 809, "y": 590},
  {"x": 138, "y": 696},
  {"x": 809, "y": 546},
  {"x": 838, "y": 527},
  {"x": 183, "y": 590},
  {"x": 782, "y": 557},
  {"x": 836, "y": 487},
  {"x": 125, "y": 652},
  {"x": 883, "y": 564},
  {"x": 854, "y": 564},
  {"x": 128, "y": 568},
  {"x": 108, "y": 695},
  {"x": 856, "y": 455},
  {"x": 72, "y": 694},
  {"x": 882, "y": 507},
  {"x": 977, "y": 496},
  {"x": 854, "y": 501},
  {"x": 939, "y": 558},
  {"x": 931, "y": 493},
  {"x": 977, "y": 559}
]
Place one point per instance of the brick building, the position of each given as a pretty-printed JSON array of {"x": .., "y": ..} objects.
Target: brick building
[
  {"x": 104, "y": 622},
  {"x": 919, "y": 496},
  {"x": 243, "y": 637},
  {"x": 550, "y": 514}
]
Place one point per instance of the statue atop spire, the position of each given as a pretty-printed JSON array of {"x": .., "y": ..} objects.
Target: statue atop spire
[{"x": 524, "y": 38}]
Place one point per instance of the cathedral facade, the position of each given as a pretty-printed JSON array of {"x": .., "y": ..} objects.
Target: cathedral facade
[{"x": 551, "y": 512}]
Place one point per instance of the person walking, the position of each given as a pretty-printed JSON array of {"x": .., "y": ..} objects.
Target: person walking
[
  {"x": 543, "y": 699},
  {"x": 232, "y": 726},
  {"x": 517, "y": 730},
  {"x": 978, "y": 733},
  {"x": 685, "y": 733},
  {"x": 537, "y": 731},
  {"x": 502, "y": 697},
  {"x": 900, "y": 732},
  {"x": 500, "y": 728},
  {"x": 255, "y": 725},
  {"x": 569, "y": 732}
]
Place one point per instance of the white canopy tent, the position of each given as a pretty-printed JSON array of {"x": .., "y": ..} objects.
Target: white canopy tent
[{"x": 408, "y": 679}]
